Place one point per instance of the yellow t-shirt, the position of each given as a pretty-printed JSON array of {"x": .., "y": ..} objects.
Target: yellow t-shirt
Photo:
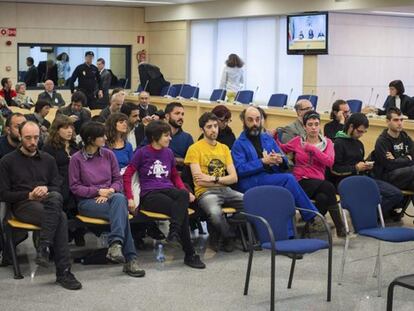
[{"x": 213, "y": 160}]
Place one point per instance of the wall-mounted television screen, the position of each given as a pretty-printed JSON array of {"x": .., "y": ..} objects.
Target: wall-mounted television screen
[{"x": 307, "y": 33}]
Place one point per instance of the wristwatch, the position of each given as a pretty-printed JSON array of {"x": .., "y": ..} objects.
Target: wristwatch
[{"x": 216, "y": 180}]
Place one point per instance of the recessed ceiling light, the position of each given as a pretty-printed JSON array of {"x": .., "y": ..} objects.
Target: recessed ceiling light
[{"x": 393, "y": 13}]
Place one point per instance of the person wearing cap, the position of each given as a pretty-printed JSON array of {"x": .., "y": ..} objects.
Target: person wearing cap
[{"x": 89, "y": 81}]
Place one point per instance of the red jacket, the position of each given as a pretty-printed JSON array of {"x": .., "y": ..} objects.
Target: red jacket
[{"x": 8, "y": 95}]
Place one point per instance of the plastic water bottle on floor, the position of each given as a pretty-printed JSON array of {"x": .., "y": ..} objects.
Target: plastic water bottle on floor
[{"x": 160, "y": 253}]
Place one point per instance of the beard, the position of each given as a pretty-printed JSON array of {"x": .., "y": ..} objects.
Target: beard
[
  {"x": 15, "y": 139},
  {"x": 254, "y": 130},
  {"x": 174, "y": 123}
]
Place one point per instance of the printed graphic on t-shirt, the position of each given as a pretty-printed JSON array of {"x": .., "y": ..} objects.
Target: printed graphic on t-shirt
[
  {"x": 400, "y": 150},
  {"x": 158, "y": 169},
  {"x": 216, "y": 168}
]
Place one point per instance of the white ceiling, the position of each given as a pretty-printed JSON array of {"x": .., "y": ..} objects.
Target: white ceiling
[
  {"x": 134, "y": 3},
  {"x": 403, "y": 11}
]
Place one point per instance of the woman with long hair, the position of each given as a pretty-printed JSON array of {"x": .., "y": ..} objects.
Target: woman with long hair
[
  {"x": 116, "y": 129},
  {"x": 232, "y": 78},
  {"x": 63, "y": 68}
]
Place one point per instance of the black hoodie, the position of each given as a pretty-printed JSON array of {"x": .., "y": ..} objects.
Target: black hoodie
[
  {"x": 348, "y": 152},
  {"x": 400, "y": 147}
]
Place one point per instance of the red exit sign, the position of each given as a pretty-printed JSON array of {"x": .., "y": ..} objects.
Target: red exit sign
[{"x": 10, "y": 32}]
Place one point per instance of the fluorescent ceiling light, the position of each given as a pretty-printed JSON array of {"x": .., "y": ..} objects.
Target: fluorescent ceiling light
[
  {"x": 393, "y": 13},
  {"x": 137, "y": 1}
]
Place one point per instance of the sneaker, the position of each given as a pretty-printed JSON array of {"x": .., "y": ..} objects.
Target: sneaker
[
  {"x": 132, "y": 269},
  {"x": 194, "y": 261},
  {"x": 67, "y": 280},
  {"x": 114, "y": 253},
  {"x": 316, "y": 226},
  {"x": 173, "y": 239},
  {"x": 42, "y": 256},
  {"x": 228, "y": 245}
]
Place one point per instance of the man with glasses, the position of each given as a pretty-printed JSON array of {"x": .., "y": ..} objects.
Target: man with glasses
[
  {"x": 296, "y": 128},
  {"x": 146, "y": 110},
  {"x": 339, "y": 114},
  {"x": 350, "y": 160},
  {"x": 394, "y": 153}
]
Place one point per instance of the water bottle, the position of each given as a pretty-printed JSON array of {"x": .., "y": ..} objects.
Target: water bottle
[{"x": 160, "y": 253}]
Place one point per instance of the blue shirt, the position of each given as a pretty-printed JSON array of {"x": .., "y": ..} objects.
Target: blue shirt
[
  {"x": 123, "y": 155},
  {"x": 180, "y": 143}
]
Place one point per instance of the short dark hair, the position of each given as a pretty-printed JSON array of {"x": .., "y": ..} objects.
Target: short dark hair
[
  {"x": 392, "y": 110},
  {"x": 310, "y": 115},
  {"x": 11, "y": 116},
  {"x": 205, "y": 117},
  {"x": 40, "y": 104},
  {"x": 155, "y": 129},
  {"x": 78, "y": 96},
  {"x": 90, "y": 131},
  {"x": 356, "y": 119},
  {"x": 222, "y": 112},
  {"x": 170, "y": 107},
  {"x": 98, "y": 119},
  {"x": 116, "y": 90},
  {"x": 263, "y": 113},
  {"x": 336, "y": 107},
  {"x": 128, "y": 107},
  {"x": 398, "y": 85},
  {"x": 4, "y": 82},
  {"x": 100, "y": 59},
  {"x": 30, "y": 60}
]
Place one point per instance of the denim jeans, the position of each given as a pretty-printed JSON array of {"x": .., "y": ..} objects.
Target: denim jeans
[{"x": 115, "y": 210}]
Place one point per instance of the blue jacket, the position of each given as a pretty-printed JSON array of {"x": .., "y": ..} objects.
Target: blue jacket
[{"x": 248, "y": 165}]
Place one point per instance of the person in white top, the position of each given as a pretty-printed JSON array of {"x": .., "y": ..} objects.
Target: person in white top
[{"x": 232, "y": 78}]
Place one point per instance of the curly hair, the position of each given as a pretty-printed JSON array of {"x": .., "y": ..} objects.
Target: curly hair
[
  {"x": 54, "y": 139},
  {"x": 110, "y": 128},
  {"x": 234, "y": 61}
]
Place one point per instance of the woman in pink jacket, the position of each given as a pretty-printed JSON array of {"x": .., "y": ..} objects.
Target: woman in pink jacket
[{"x": 313, "y": 153}]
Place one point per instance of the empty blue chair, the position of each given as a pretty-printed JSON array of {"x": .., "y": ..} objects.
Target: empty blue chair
[
  {"x": 360, "y": 196},
  {"x": 270, "y": 209},
  {"x": 312, "y": 98},
  {"x": 277, "y": 100},
  {"x": 218, "y": 94},
  {"x": 355, "y": 105},
  {"x": 169, "y": 90},
  {"x": 140, "y": 88},
  {"x": 244, "y": 97},
  {"x": 189, "y": 91}
]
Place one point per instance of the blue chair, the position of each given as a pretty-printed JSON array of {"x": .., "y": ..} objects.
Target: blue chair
[
  {"x": 218, "y": 94},
  {"x": 360, "y": 196},
  {"x": 140, "y": 88},
  {"x": 277, "y": 100},
  {"x": 312, "y": 98},
  {"x": 169, "y": 90},
  {"x": 355, "y": 105},
  {"x": 270, "y": 209},
  {"x": 189, "y": 91},
  {"x": 244, "y": 97}
]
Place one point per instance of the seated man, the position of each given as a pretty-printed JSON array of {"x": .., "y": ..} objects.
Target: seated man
[
  {"x": 394, "y": 153},
  {"x": 349, "y": 160},
  {"x": 30, "y": 182},
  {"x": 259, "y": 162},
  {"x": 76, "y": 111},
  {"x": 11, "y": 140},
  {"x": 145, "y": 108},
  {"x": 339, "y": 114},
  {"x": 7, "y": 93},
  {"x": 50, "y": 95},
  {"x": 136, "y": 132},
  {"x": 115, "y": 104},
  {"x": 42, "y": 109},
  {"x": 296, "y": 128},
  {"x": 213, "y": 171}
]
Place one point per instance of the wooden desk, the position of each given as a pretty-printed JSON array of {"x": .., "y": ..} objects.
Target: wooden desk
[{"x": 277, "y": 117}]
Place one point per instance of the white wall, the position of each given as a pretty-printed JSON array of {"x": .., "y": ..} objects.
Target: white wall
[{"x": 365, "y": 52}]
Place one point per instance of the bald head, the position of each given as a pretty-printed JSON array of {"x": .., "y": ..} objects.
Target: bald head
[
  {"x": 303, "y": 106},
  {"x": 252, "y": 121},
  {"x": 49, "y": 85},
  {"x": 30, "y": 133},
  {"x": 144, "y": 98}
]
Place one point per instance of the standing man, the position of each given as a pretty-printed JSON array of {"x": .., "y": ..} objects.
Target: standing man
[
  {"x": 106, "y": 79},
  {"x": 145, "y": 108},
  {"x": 76, "y": 111},
  {"x": 32, "y": 76},
  {"x": 180, "y": 140},
  {"x": 296, "y": 128},
  {"x": 30, "y": 183},
  {"x": 339, "y": 114},
  {"x": 11, "y": 140},
  {"x": 89, "y": 81},
  {"x": 50, "y": 95}
]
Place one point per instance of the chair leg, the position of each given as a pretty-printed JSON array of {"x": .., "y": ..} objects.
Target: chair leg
[
  {"x": 329, "y": 290},
  {"x": 243, "y": 238},
  {"x": 272, "y": 281},
  {"x": 379, "y": 269},
  {"x": 12, "y": 247},
  {"x": 249, "y": 268},
  {"x": 390, "y": 296},
  {"x": 341, "y": 272},
  {"x": 292, "y": 270}
]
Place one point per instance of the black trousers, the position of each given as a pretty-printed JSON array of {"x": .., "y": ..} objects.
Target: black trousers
[
  {"x": 174, "y": 203},
  {"x": 402, "y": 178},
  {"x": 322, "y": 191},
  {"x": 49, "y": 216}
]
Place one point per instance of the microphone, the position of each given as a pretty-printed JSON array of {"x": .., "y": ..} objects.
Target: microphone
[
  {"x": 237, "y": 97},
  {"x": 370, "y": 97},
  {"x": 288, "y": 98},
  {"x": 376, "y": 99},
  {"x": 221, "y": 99},
  {"x": 194, "y": 93},
  {"x": 167, "y": 95},
  {"x": 254, "y": 95},
  {"x": 145, "y": 87},
  {"x": 332, "y": 97},
  {"x": 179, "y": 93}
]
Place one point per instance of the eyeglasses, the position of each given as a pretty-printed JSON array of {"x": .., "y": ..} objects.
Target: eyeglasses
[
  {"x": 223, "y": 120},
  {"x": 361, "y": 131},
  {"x": 306, "y": 109}
]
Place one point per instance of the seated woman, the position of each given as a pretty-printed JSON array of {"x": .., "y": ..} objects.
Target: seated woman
[
  {"x": 61, "y": 145},
  {"x": 398, "y": 99},
  {"x": 313, "y": 154},
  {"x": 116, "y": 128},
  {"x": 95, "y": 181},
  {"x": 162, "y": 189},
  {"x": 21, "y": 99}
]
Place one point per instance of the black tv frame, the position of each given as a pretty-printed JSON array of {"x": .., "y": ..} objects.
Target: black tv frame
[{"x": 308, "y": 51}]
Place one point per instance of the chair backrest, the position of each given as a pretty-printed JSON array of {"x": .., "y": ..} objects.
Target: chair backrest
[
  {"x": 140, "y": 88},
  {"x": 218, "y": 94},
  {"x": 189, "y": 91},
  {"x": 360, "y": 196},
  {"x": 276, "y": 205},
  {"x": 355, "y": 105},
  {"x": 244, "y": 97},
  {"x": 172, "y": 91},
  {"x": 312, "y": 98},
  {"x": 277, "y": 100}
]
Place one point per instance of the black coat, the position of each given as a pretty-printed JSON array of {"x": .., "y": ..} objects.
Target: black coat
[
  {"x": 151, "y": 74},
  {"x": 407, "y": 105},
  {"x": 31, "y": 77}
]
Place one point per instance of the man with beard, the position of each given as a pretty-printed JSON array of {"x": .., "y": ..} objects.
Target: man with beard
[
  {"x": 180, "y": 140},
  {"x": 30, "y": 182},
  {"x": 339, "y": 114},
  {"x": 11, "y": 140},
  {"x": 259, "y": 162},
  {"x": 76, "y": 111},
  {"x": 213, "y": 171}
]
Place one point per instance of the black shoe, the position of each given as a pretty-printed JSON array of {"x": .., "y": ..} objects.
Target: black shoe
[
  {"x": 173, "y": 239},
  {"x": 79, "y": 239},
  {"x": 228, "y": 245},
  {"x": 194, "y": 261},
  {"x": 154, "y": 232},
  {"x": 214, "y": 241},
  {"x": 67, "y": 280},
  {"x": 42, "y": 256}
]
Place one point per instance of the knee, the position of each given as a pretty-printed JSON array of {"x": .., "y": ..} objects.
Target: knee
[
  {"x": 118, "y": 197},
  {"x": 54, "y": 199}
]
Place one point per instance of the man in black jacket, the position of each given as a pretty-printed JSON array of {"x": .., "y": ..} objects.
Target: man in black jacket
[
  {"x": 146, "y": 110},
  {"x": 350, "y": 160},
  {"x": 76, "y": 111},
  {"x": 32, "y": 76},
  {"x": 30, "y": 183},
  {"x": 51, "y": 95},
  {"x": 394, "y": 153}
]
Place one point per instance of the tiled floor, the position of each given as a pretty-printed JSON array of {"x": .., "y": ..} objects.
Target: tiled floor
[{"x": 219, "y": 287}]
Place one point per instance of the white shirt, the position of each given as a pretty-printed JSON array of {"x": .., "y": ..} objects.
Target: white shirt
[
  {"x": 398, "y": 102},
  {"x": 232, "y": 79}
]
